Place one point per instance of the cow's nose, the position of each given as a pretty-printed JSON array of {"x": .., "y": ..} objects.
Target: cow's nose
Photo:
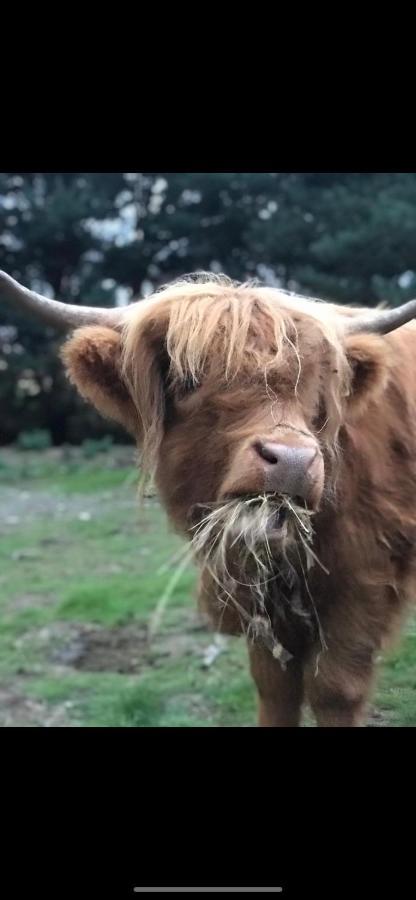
[{"x": 287, "y": 468}]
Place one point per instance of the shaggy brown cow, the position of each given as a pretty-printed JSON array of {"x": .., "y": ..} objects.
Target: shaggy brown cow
[{"x": 282, "y": 435}]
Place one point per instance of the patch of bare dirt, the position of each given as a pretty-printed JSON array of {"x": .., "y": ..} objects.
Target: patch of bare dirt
[
  {"x": 97, "y": 649},
  {"x": 120, "y": 648}
]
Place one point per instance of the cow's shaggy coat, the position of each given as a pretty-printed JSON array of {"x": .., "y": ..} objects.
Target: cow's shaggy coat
[{"x": 198, "y": 374}]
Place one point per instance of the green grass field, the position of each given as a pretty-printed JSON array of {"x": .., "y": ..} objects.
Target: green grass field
[{"x": 82, "y": 568}]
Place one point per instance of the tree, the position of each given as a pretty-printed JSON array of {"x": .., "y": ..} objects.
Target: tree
[
  {"x": 345, "y": 237},
  {"x": 47, "y": 242}
]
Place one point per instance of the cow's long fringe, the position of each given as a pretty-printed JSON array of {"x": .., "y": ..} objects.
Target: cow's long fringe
[{"x": 195, "y": 315}]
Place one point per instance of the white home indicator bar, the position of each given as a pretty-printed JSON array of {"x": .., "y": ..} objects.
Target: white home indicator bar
[{"x": 207, "y": 890}]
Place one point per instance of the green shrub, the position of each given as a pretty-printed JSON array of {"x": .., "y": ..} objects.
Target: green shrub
[
  {"x": 92, "y": 447},
  {"x": 37, "y": 439}
]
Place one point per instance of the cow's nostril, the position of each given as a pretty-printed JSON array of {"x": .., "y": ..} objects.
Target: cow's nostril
[{"x": 267, "y": 452}]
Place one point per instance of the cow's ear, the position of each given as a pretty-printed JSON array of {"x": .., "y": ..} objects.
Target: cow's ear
[
  {"x": 369, "y": 359},
  {"x": 92, "y": 359}
]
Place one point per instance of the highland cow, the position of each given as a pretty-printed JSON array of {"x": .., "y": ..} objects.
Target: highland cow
[{"x": 281, "y": 433}]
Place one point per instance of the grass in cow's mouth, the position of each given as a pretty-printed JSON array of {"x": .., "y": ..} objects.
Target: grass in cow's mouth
[
  {"x": 247, "y": 525},
  {"x": 244, "y": 543},
  {"x": 262, "y": 513}
]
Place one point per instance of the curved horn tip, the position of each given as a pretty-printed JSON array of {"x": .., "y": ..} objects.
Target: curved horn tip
[
  {"x": 64, "y": 316},
  {"x": 382, "y": 321}
]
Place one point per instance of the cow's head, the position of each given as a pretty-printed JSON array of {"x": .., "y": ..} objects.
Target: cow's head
[{"x": 236, "y": 395}]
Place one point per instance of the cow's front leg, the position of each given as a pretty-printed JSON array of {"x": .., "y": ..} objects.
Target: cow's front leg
[
  {"x": 336, "y": 712},
  {"x": 280, "y": 692},
  {"x": 338, "y": 689}
]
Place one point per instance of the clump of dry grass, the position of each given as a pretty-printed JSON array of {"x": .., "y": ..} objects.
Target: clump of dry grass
[{"x": 248, "y": 545}]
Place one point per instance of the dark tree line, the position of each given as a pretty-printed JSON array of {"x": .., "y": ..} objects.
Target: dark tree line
[{"x": 102, "y": 238}]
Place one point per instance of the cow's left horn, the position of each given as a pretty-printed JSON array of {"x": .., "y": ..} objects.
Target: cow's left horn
[
  {"x": 63, "y": 316},
  {"x": 381, "y": 321}
]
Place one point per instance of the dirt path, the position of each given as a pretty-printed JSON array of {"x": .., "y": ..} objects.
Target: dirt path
[{"x": 19, "y": 507}]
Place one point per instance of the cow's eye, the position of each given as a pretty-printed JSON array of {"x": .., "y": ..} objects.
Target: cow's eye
[{"x": 187, "y": 386}]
